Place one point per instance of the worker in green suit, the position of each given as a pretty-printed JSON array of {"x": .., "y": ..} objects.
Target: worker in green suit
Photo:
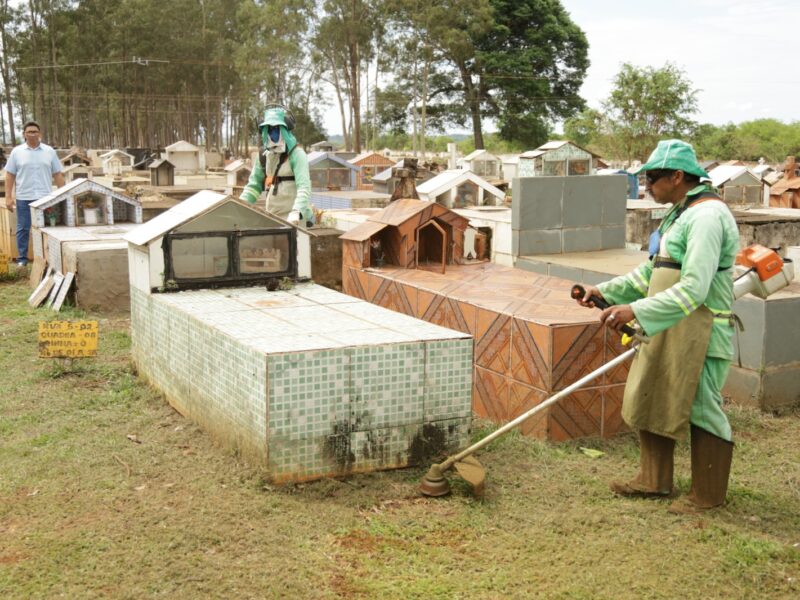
[
  {"x": 682, "y": 298},
  {"x": 282, "y": 170}
]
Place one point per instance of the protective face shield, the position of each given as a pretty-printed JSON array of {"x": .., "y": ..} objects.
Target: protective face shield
[{"x": 273, "y": 139}]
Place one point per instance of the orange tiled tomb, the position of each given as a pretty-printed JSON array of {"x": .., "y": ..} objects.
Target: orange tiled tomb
[{"x": 530, "y": 338}]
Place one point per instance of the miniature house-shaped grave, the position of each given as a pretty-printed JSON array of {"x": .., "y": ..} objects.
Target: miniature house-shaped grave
[
  {"x": 85, "y": 202},
  {"x": 386, "y": 181},
  {"x": 304, "y": 380},
  {"x": 76, "y": 157},
  {"x": 162, "y": 172},
  {"x": 331, "y": 172},
  {"x": 77, "y": 171},
  {"x": 369, "y": 165},
  {"x": 738, "y": 185},
  {"x": 186, "y": 157},
  {"x": 117, "y": 162},
  {"x": 558, "y": 158},
  {"x": 407, "y": 234},
  {"x": 483, "y": 163},
  {"x": 78, "y": 229},
  {"x": 458, "y": 188},
  {"x": 238, "y": 173}
]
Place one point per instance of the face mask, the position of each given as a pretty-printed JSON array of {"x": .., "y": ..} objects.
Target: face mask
[{"x": 275, "y": 143}]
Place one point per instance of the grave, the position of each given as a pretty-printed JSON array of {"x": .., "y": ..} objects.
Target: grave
[
  {"x": 307, "y": 381},
  {"x": 766, "y": 370},
  {"x": 531, "y": 339},
  {"x": 78, "y": 229}
]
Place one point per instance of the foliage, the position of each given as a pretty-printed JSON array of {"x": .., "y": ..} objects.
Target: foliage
[
  {"x": 143, "y": 73},
  {"x": 769, "y": 139},
  {"x": 519, "y": 63},
  {"x": 533, "y": 60},
  {"x": 648, "y": 104}
]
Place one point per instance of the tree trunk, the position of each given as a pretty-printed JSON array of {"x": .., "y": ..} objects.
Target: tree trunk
[
  {"x": 355, "y": 95},
  {"x": 7, "y": 78},
  {"x": 471, "y": 95},
  {"x": 424, "y": 108}
]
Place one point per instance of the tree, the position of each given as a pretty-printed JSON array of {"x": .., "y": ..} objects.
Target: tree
[
  {"x": 520, "y": 62},
  {"x": 648, "y": 104},
  {"x": 770, "y": 139},
  {"x": 585, "y": 128},
  {"x": 531, "y": 64},
  {"x": 344, "y": 41}
]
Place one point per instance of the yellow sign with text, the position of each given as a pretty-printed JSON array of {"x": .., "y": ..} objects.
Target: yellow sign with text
[
  {"x": 3, "y": 264},
  {"x": 68, "y": 339}
]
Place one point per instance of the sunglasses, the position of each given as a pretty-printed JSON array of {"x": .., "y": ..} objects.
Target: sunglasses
[{"x": 653, "y": 176}]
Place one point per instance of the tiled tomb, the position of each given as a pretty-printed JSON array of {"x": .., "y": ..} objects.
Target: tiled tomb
[
  {"x": 308, "y": 381},
  {"x": 766, "y": 370},
  {"x": 531, "y": 339}
]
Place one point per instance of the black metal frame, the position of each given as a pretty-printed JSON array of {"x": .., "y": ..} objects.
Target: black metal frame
[{"x": 233, "y": 276}]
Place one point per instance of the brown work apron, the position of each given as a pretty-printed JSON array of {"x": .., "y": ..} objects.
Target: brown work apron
[{"x": 665, "y": 373}]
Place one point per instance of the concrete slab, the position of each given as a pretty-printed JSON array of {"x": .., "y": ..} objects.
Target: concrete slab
[
  {"x": 608, "y": 263},
  {"x": 780, "y": 389},
  {"x": 581, "y": 207},
  {"x": 586, "y": 239},
  {"x": 101, "y": 274},
  {"x": 540, "y": 241},
  {"x": 749, "y": 344},
  {"x": 614, "y": 202},
  {"x": 538, "y": 203},
  {"x": 612, "y": 236}
]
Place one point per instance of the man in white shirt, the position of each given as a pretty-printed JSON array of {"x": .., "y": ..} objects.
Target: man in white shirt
[{"x": 30, "y": 172}]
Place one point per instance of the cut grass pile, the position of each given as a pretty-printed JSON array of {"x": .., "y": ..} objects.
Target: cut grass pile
[{"x": 105, "y": 491}]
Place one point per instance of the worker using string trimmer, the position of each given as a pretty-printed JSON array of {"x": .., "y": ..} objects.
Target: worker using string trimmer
[
  {"x": 682, "y": 298},
  {"x": 282, "y": 170}
]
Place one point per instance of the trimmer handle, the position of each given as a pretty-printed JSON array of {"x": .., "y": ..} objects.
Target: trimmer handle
[{"x": 578, "y": 292}]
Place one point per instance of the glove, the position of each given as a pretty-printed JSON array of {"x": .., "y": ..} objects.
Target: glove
[{"x": 295, "y": 218}]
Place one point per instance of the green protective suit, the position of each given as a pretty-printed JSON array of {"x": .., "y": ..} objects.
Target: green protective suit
[
  {"x": 703, "y": 239},
  {"x": 291, "y": 195}
]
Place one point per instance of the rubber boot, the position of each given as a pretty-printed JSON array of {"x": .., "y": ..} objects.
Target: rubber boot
[
  {"x": 711, "y": 467},
  {"x": 655, "y": 471}
]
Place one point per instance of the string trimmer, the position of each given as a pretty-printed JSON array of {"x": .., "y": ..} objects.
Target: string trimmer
[
  {"x": 470, "y": 469},
  {"x": 766, "y": 273}
]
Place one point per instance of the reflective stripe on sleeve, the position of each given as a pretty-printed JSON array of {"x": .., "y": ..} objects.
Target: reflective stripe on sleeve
[
  {"x": 639, "y": 282},
  {"x": 676, "y": 296}
]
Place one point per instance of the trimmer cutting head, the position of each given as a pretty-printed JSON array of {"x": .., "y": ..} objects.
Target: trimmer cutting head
[{"x": 434, "y": 483}]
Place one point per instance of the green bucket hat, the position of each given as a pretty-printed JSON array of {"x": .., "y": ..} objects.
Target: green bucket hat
[
  {"x": 676, "y": 155},
  {"x": 274, "y": 116}
]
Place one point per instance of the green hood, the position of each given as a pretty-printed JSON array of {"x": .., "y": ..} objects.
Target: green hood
[{"x": 276, "y": 116}]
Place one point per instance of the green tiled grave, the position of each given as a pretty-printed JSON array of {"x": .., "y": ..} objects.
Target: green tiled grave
[{"x": 309, "y": 382}]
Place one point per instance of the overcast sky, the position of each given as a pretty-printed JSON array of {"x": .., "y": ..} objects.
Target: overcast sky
[{"x": 741, "y": 55}]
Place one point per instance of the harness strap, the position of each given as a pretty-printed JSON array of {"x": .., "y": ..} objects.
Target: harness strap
[{"x": 275, "y": 180}]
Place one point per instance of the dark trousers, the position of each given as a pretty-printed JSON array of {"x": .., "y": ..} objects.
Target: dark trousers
[{"x": 23, "y": 228}]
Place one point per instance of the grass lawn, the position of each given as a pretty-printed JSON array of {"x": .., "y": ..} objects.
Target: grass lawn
[{"x": 105, "y": 491}]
